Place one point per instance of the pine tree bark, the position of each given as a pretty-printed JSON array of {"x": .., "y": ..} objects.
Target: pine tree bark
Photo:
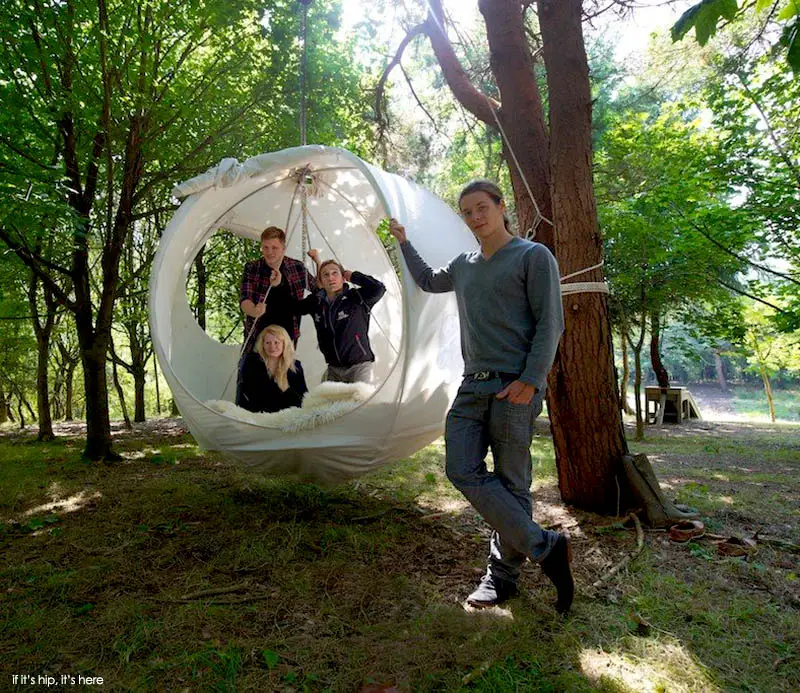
[{"x": 586, "y": 422}]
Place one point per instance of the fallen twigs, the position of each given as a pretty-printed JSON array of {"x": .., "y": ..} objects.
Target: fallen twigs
[{"x": 627, "y": 559}]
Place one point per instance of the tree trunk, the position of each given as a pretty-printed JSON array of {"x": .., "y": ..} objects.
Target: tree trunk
[
  {"x": 3, "y": 405},
  {"x": 98, "y": 423},
  {"x": 69, "y": 380},
  {"x": 21, "y": 415},
  {"x": 720, "y": 371},
  {"x": 200, "y": 308},
  {"x": 768, "y": 392},
  {"x": 139, "y": 379},
  {"x": 137, "y": 368},
  {"x": 626, "y": 375},
  {"x": 662, "y": 377},
  {"x": 118, "y": 387},
  {"x": 158, "y": 389},
  {"x": 637, "y": 392},
  {"x": 43, "y": 332},
  {"x": 588, "y": 434}
]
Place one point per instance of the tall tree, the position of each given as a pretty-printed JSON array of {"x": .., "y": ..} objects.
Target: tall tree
[
  {"x": 106, "y": 102},
  {"x": 553, "y": 156}
]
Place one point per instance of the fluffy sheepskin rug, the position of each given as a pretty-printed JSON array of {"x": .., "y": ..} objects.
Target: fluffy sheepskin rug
[{"x": 323, "y": 403}]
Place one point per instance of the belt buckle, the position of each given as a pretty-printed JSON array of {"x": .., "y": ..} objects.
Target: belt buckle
[{"x": 482, "y": 375}]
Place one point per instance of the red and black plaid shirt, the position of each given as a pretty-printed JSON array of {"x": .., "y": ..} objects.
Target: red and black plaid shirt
[{"x": 256, "y": 281}]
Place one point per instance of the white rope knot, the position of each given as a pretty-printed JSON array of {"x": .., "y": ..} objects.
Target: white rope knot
[{"x": 583, "y": 287}]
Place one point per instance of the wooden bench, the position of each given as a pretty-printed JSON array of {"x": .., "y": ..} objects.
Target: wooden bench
[{"x": 669, "y": 404}]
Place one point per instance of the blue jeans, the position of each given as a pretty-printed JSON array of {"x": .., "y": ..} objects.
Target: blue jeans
[{"x": 477, "y": 422}]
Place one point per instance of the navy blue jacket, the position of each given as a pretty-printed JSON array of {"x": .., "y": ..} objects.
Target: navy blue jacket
[{"x": 343, "y": 323}]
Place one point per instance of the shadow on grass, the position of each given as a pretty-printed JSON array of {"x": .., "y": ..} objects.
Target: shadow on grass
[{"x": 186, "y": 573}]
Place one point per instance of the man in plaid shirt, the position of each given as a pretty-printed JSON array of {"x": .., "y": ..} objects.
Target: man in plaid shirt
[{"x": 255, "y": 283}]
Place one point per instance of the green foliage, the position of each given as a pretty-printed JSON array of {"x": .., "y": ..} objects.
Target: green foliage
[
  {"x": 104, "y": 111},
  {"x": 703, "y": 17}
]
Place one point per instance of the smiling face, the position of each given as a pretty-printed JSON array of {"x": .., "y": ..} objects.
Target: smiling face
[
  {"x": 273, "y": 250},
  {"x": 273, "y": 345},
  {"x": 482, "y": 214},
  {"x": 331, "y": 279}
]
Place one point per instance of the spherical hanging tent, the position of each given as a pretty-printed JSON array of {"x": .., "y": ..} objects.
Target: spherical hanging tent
[{"x": 330, "y": 199}]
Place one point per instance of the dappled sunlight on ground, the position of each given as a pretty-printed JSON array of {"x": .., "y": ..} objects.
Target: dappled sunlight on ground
[
  {"x": 65, "y": 505},
  {"x": 557, "y": 516},
  {"x": 650, "y": 666}
]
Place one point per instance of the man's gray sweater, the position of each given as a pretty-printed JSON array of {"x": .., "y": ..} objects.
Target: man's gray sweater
[{"x": 509, "y": 307}]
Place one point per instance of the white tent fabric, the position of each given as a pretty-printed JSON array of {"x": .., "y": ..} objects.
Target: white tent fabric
[{"x": 415, "y": 335}]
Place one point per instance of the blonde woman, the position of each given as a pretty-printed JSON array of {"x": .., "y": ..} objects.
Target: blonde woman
[{"x": 271, "y": 378}]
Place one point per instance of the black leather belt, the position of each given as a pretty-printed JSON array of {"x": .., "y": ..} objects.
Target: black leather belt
[{"x": 491, "y": 375}]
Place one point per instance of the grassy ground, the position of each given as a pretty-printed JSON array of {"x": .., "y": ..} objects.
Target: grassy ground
[
  {"x": 752, "y": 403},
  {"x": 175, "y": 571}
]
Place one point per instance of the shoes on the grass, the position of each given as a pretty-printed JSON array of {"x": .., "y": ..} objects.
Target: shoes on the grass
[
  {"x": 556, "y": 567},
  {"x": 686, "y": 530},
  {"x": 492, "y": 591}
]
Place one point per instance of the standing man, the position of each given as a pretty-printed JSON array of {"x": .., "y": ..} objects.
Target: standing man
[{"x": 509, "y": 306}]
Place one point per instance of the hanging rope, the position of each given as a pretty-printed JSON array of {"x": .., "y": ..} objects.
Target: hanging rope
[
  {"x": 566, "y": 289},
  {"x": 531, "y": 232},
  {"x": 303, "y": 67},
  {"x": 584, "y": 287}
]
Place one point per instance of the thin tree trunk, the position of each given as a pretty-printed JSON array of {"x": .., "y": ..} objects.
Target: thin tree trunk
[
  {"x": 768, "y": 391},
  {"x": 3, "y": 405},
  {"x": 158, "y": 389},
  {"x": 139, "y": 378},
  {"x": 662, "y": 377},
  {"x": 637, "y": 392},
  {"x": 43, "y": 331},
  {"x": 69, "y": 383},
  {"x": 626, "y": 374},
  {"x": 720, "y": 371},
  {"x": 200, "y": 308},
  {"x": 118, "y": 387}
]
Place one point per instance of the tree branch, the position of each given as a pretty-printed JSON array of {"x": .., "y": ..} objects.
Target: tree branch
[
  {"x": 34, "y": 263},
  {"x": 474, "y": 100},
  {"x": 730, "y": 252},
  {"x": 394, "y": 62},
  {"x": 742, "y": 292}
]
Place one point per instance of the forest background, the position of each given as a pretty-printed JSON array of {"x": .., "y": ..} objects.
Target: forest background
[
  {"x": 175, "y": 568},
  {"x": 696, "y": 166}
]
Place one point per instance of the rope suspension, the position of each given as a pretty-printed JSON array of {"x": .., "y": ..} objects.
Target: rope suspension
[
  {"x": 531, "y": 232},
  {"x": 566, "y": 289},
  {"x": 303, "y": 68}
]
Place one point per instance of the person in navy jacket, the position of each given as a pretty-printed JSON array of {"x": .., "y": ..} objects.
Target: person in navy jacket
[{"x": 341, "y": 311}]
